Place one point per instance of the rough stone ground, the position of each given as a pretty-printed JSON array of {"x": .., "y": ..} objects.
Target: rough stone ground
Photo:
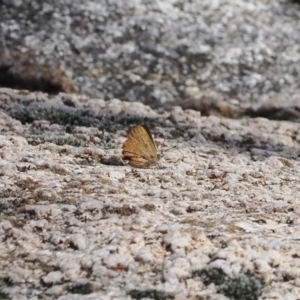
[
  {"x": 75, "y": 223},
  {"x": 217, "y": 217}
]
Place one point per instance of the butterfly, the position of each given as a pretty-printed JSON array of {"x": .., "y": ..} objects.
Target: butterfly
[{"x": 139, "y": 148}]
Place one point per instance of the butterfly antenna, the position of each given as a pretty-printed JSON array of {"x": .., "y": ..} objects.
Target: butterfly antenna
[{"x": 170, "y": 148}]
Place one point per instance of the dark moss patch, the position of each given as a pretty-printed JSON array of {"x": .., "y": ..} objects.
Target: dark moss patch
[
  {"x": 63, "y": 115},
  {"x": 59, "y": 140},
  {"x": 4, "y": 206},
  {"x": 3, "y": 294},
  {"x": 213, "y": 275},
  {"x": 7, "y": 281},
  {"x": 3, "y": 131},
  {"x": 69, "y": 116},
  {"x": 244, "y": 287},
  {"x": 83, "y": 289},
  {"x": 59, "y": 115},
  {"x": 7, "y": 202},
  {"x": 152, "y": 294}
]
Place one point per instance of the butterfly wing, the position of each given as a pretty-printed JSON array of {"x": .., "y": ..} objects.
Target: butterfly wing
[{"x": 139, "y": 148}]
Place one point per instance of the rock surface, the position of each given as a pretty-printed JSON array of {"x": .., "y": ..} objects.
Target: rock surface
[
  {"x": 164, "y": 51},
  {"x": 224, "y": 195}
]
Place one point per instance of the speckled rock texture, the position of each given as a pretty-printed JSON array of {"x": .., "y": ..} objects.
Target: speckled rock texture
[
  {"x": 164, "y": 51},
  {"x": 217, "y": 218}
]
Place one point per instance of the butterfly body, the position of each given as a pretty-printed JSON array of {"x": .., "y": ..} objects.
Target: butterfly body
[{"x": 140, "y": 148}]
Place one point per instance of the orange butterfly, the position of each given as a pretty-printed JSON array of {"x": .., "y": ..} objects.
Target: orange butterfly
[{"x": 139, "y": 148}]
